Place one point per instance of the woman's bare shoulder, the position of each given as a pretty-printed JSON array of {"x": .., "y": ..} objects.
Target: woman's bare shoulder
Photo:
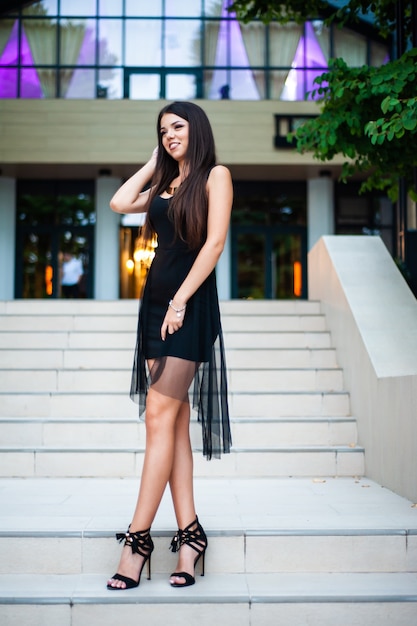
[{"x": 219, "y": 174}]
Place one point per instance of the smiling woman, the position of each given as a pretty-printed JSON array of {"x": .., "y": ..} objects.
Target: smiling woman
[{"x": 179, "y": 339}]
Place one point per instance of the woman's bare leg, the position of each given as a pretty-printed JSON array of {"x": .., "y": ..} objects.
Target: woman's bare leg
[
  {"x": 167, "y": 421},
  {"x": 182, "y": 489},
  {"x": 181, "y": 478},
  {"x": 161, "y": 416}
]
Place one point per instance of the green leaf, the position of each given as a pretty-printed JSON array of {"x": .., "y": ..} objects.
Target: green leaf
[
  {"x": 410, "y": 123},
  {"x": 385, "y": 104}
]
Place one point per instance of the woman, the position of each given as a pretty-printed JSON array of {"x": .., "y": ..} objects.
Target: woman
[{"x": 179, "y": 341}]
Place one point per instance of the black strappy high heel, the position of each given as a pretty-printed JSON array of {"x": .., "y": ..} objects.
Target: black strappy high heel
[
  {"x": 140, "y": 543},
  {"x": 195, "y": 537}
]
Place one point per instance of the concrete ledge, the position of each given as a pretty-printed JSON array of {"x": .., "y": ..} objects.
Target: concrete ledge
[
  {"x": 372, "y": 316},
  {"x": 213, "y": 588}
]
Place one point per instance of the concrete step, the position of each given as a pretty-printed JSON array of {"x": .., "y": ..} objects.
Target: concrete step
[
  {"x": 248, "y": 433},
  {"x": 102, "y": 358},
  {"x": 254, "y": 526},
  {"x": 130, "y": 307},
  {"x": 117, "y": 380},
  {"x": 125, "y": 339},
  {"x": 223, "y": 599},
  {"x": 111, "y": 323},
  {"x": 119, "y": 461},
  {"x": 105, "y": 405}
]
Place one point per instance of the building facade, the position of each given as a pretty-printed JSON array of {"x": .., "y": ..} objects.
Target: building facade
[{"x": 81, "y": 85}]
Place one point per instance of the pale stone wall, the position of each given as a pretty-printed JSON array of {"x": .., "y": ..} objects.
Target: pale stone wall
[
  {"x": 372, "y": 316},
  {"x": 124, "y": 131}
]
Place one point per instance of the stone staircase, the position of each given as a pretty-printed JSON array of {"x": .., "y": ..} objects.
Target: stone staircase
[{"x": 297, "y": 534}]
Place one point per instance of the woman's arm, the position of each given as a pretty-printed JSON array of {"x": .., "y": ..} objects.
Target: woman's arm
[
  {"x": 220, "y": 199},
  {"x": 130, "y": 198}
]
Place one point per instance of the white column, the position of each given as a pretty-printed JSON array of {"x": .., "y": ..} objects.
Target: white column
[
  {"x": 106, "y": 268},
  {"x": 320, "y": 208},
  {"x": 7, "y": 237},
  {"x": 223, "y": 271}
]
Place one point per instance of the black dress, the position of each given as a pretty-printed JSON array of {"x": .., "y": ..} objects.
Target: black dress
[{"x": 194, "y": 353}]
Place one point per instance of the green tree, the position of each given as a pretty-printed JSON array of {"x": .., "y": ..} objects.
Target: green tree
[{"x": 368, "y": 114}]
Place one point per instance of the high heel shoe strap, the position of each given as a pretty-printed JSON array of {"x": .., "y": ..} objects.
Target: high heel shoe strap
[
  {"x": 140, "y": 542},
  {"x": 194, "y": 537}
]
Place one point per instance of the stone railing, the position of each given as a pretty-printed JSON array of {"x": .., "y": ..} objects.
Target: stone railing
[{"x": 372, "y": 315}]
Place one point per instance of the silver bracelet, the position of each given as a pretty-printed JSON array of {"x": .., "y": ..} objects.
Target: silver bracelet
[{"x": 177, "y": 311}]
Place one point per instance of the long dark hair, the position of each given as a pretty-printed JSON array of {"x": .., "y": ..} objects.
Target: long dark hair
[{"x": 188, "y": 207}]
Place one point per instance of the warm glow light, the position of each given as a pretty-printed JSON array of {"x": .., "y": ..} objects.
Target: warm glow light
[
  {"x": 297, "y": 278},
  {"x": 145, "y": 251},
  {"x": 130, "y": 266},
  {"x": 48, "y": 279}
]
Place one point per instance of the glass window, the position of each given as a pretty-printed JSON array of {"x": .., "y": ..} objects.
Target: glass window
[
  {"x": 143, "y": 8},
  {"x": 145, "y": 87},
  {"x": 30, "y": 86},
  {"x": 242, "y": 85},
  {"x": 110, "y": 7},
  {"x": 110, "y": 84},
  {"x": 212, "y": 8},
  {"x": 8, "y": 42},
  {"x": 286, "y": 266},
  {"x": 379, "y": 54},
  {"x": 110, "y": 42},
  {"x": 46, "y": 7},
  {"x": 9, "y": 56},
  {"x": 351, "y": 46},
  {"x": 247, "y": 44},
  {"x": 48, "y": 81},
  {"x": 214, "y": 83},
  {"x": 8, "y": 82},
  {"x": 270, "y": 203},
  {"x": 180, "y": 87},
  {"x": 82, "y": 84},
  {"x": 77, "y": 42},
  {"x": 143, "y": 43},
  {"x": 250, "y": 266},
  {"x": 249, "y": 47},
  {"x": 321, "y": 36},
  {"x": 182, "y": 43},
  {"x": 211, "y": 34},
  {"x": 78, "y": 7},
  {"x": 313, "y": 54},
  {"x": 236, "y": 60},
  {"x": 42, "y": 39},
  {"x": 183, "y": 8}
]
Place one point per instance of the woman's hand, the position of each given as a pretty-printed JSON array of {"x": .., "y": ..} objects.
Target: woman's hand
[
  {"x": 130, "y": 198},
  {"x": 173, "y": 320}
]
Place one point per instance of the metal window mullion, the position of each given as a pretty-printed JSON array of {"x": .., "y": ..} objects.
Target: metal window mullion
[
  {"x": 58, "y": 58},
  {"x": 97, "y": 50},
  {"x": 19, "y": 51}
]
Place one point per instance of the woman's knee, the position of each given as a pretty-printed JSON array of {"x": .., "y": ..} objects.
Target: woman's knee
[{"x": 161, "y": 412}]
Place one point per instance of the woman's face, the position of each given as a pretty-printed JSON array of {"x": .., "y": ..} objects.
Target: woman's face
[{"x": 174, "y": 134}]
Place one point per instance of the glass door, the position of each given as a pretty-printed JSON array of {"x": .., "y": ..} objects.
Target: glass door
[
  {"x": 54, "y": 239},
  {"x": 269, "y": 262},
  {"x": 41, "y": 253}
]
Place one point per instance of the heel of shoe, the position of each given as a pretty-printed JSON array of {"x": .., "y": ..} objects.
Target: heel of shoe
[
  {"x": 203, "y": 560},
  {"x": 148, "y": 564}
]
